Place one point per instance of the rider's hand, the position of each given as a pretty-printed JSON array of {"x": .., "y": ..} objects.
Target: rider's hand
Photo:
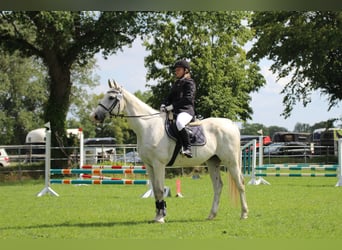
[
  {"x": 162, "y": 108},
  {"x": 169, "y": 108}
]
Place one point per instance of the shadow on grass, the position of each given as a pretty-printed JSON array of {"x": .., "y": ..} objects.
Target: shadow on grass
[{"x": 100, "y": 224}]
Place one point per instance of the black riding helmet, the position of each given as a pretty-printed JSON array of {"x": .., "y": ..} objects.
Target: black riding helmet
[{"x": 183, "y": 64}]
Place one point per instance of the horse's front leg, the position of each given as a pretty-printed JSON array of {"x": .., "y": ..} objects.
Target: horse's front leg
[
  {"x": 157, "y": 178},
  {"x": 214, "y": 171}
]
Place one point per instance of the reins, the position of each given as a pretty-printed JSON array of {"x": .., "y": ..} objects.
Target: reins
[
  {"x": 132, "y": 116},
  {"x": 117, "y": 102}
]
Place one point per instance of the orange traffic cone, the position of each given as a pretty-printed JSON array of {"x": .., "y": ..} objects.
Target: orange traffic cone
[{"x": 178, "y": 188}]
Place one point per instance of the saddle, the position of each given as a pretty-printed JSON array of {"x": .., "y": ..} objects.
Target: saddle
[{"x": 195, "y": 129}]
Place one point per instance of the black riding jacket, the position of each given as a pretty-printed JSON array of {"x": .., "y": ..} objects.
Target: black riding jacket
[{"x": 182, "y": 96}]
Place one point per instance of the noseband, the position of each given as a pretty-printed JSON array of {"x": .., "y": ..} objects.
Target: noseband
[{"x": 115, "y": 102}]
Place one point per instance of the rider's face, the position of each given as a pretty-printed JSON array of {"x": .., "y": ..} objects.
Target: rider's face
[{"x": 179, "y": 72}]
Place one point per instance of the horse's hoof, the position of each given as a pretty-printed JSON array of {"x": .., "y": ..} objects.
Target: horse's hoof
[
  {"x": 159, "y": 220},
  {"x": 244, "y": 216},
  {"x": 211, "y": 216}
]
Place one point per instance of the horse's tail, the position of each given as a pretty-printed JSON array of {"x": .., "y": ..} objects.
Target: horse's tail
[{"x": 232, "y": 185}]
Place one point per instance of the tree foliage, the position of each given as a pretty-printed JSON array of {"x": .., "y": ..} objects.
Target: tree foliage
[
  {"x": 307, "y": 46},
  {"x": 64, "y": 40},
  {"x": 273, "y": 129},
  {"x": 302, "y": 127},
  {"x": 22, "y": 97},
  {"x": 23, "y": 94},
  {"x": 111, "y": 127},
  {"x": 213, "y": 43},
  {"x": 253, "y": 128}
]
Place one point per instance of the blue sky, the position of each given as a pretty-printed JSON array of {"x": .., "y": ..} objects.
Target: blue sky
[{"x": 128, "y": 69}]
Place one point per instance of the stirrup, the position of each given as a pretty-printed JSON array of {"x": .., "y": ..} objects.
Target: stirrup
[{"x": 187, "y": 153}]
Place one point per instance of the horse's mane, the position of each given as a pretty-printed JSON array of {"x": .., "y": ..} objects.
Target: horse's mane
[{"x": 142, "y": 105}]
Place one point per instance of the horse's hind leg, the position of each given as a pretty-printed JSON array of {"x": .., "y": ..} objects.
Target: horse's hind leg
[
  {"x": 214, "y": 171},
  {"x": 236, "y": 174}
]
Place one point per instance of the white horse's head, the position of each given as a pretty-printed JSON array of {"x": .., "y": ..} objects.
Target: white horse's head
[{"x": 110, "y": 104}]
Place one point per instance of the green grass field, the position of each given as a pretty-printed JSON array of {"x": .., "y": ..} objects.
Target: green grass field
[{"x": 289, "y": 208}]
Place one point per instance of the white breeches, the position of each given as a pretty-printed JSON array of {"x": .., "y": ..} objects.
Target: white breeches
[{"x": 182, "y": 120}]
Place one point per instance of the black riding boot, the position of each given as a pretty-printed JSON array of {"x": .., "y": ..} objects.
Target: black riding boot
[{"x": 186, "y": 142}]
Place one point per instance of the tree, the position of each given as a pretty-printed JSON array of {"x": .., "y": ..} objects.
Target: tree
[
  {"x": 302, "y": 127},
  {"x": 307, "y": 46},
  {"x": 273, "y": 129},
  {"x": 144, "y": 96},
  {"x": 63, "y": 40},
  {"x": 213, "y": 42},
  {"x": 111, "y": 127},
  {"x": 22, "y": 97},
  {"x": 252, "y": 129},
  {"x": 23, "y": 94}
]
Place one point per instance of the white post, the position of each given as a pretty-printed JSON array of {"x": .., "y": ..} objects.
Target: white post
[
  {"x": 261, "y": 153},
  {"x": 81, "y": 137},
  {"x": 259, "y": 180},
  {"x": 80, "y": 131},
  {"x": 339, "y": 170},
  {"x": 261, "y": 159},
  {"x": 253, "y": 180},
  {"x": 47, "y": 189}
]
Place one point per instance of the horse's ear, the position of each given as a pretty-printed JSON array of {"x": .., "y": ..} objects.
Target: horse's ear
[
  {"x": 115, "y": 84},
  {"x": 110, "y": 84}
]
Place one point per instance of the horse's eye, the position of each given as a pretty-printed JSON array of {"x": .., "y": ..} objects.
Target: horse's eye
[{"x": 111, "y": 97}]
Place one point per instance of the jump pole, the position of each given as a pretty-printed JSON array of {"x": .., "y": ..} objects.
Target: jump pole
[
  {"x": 47, "y": 189},
  {"x": 255, "y": 181}
]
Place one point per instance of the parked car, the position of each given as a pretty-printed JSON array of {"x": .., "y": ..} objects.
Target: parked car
[
  {"x": 244, "y": 139},
  {"x": 294, "y": 148},
  {"x": 100, "y": 149},
  {"x": 4, "y": 159},
  {"x": 291, "y": 137},
  {"x": 131, "y": 157}
]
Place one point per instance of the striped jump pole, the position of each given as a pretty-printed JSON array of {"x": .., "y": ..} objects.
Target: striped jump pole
[
  {"x": 297, "y": 174},
  {"x": 111, "y": 167},
  {"x": 296, "y": 167},
  {"x": 98, "y": 177},
  {"x": 101, "y": 177},
  {"x": 312, "y": 167},
  {"x": 100, "y": 182},
  {"x": 248, "y": 156},
  {"x": 86, "y": 171},
  {"x": 257, "y": 174},
  {"x": 97, "y": 171}
]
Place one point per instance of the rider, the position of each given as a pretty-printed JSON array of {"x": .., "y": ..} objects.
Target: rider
[{"x": 181, "y": 101}]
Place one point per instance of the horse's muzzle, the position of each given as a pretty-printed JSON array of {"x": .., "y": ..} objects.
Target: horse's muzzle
[{"x": 94, "y": 116}]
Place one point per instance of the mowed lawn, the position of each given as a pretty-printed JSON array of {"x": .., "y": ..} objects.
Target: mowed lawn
[{"x": 289, "y": 208}]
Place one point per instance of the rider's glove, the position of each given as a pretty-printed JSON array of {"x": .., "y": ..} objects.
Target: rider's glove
[
  {"x": 162, "y": 108},
  {"x": 169, "y": 108}
]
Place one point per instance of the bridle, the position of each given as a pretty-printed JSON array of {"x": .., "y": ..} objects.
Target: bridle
[{"x": 116, "y": 101}]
